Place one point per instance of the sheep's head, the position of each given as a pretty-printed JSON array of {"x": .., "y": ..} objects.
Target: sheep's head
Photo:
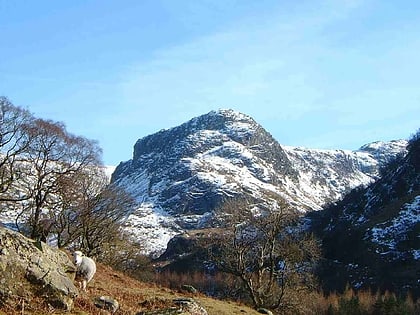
[{"x": 78, "y": 257}]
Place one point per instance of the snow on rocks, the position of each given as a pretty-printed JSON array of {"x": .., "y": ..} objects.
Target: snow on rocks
[{"x": 388, "y": 234}]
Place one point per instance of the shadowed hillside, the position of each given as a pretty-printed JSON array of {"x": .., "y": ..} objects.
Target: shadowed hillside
[{"x": 371, "y": 237}]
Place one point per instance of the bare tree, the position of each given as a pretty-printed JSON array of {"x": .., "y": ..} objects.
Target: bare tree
[
  {"x": 89, "y": 211},
  {"x": 14, "y": 142},
  {"x": 53, "y": 157},
  {"x": 260, "y": 246},
  {"x": 74, "y": 194},
  {"x": 101, "y": 222},
  {"x": 55, "y": 183}
]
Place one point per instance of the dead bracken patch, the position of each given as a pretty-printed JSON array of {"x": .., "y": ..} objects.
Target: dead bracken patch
[{"x": 133, "y": 296}]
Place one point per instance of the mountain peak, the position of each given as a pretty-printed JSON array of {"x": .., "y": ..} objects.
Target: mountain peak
[
  {"x": 230, "y": 114},
  {"x": 201, "y": 133},
  {"x": 182, "y": 174},
  {"x": 220, "y": 120}
]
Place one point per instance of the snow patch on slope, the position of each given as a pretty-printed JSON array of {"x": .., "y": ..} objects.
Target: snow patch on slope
[
  {"x": 326, "y": 175},
  {"x": 151, "y": 223},
  {"x": 389, "y": 233}
]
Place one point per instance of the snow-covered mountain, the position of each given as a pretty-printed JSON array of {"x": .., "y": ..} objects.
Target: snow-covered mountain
[
  {"x": 180, "y": 175},
  {"x": 327, "y": 175},
  {"x": 371, "y": 237}
]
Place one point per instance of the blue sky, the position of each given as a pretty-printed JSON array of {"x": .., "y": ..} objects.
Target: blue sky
[{"x": 321, "y": 74}]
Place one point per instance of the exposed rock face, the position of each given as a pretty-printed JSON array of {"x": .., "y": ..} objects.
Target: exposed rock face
[
  {"x": 181, "y": 175},
  {"x": 31, "y": 269},
  {"x": 171, "y": 166}
]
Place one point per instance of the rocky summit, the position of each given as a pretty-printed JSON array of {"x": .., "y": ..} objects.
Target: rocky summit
[{"x": 180, "y": 175}]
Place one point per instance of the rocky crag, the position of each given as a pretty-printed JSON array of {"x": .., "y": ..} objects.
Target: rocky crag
[{"x": 179, "y": 176}]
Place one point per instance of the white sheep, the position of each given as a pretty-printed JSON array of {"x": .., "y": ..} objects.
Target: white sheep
[{"x": 86, "y": 269}]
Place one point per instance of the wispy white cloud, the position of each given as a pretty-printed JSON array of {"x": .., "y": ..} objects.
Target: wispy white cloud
[
  {"x": 326, "y": 73},
  {"x": 268, "y": 62}
]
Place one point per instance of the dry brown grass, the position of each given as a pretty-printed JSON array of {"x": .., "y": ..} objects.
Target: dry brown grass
[{"x": 133, "y": 296}]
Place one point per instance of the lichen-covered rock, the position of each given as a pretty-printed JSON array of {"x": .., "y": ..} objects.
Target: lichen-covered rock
[
  {"x": 189, "y": 288},
  {"x": 190, "y": 306},
  {"x": 180, "y": 306},
  {"x": 107, "y": 303},
  {"x": 29, "y": 268}
]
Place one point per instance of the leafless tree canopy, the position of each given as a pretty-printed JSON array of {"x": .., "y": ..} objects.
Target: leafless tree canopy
[
  {"x": 14, "y": 142},
  {"x": 55, "y": 182},
  {"x": 261, "y": 246}
]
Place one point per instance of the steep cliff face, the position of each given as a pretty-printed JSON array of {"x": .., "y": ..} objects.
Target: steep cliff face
[
  {"x": 191, "y": 167},
  {"x": 180, "y": 175}
]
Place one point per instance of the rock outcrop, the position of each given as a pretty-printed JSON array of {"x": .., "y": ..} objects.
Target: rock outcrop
[
  {"x": 33, "y": 269},
  {"x": 107, "y": 303},
  {"x": 183, "y": 306}
]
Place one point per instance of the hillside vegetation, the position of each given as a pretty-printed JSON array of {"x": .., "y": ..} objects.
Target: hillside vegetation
[
  {"x": 133, "y": 296},
  {"x": 137, "y": 297}
]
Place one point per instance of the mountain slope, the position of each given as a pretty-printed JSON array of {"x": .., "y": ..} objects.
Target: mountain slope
[
  {"x": 180, "y": 175},
  {"x": 327, "y": 175},
  {"x": 371, "y": 237}
]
